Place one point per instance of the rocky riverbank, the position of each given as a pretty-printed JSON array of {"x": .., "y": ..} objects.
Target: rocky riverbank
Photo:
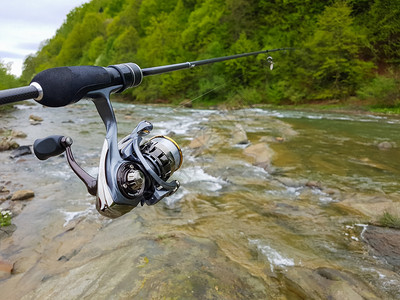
[
  {"x": 272, "y": 204},
  {"x": 13, "y": 197}
]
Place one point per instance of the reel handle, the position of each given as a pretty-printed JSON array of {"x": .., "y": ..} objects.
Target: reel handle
[
  {"x": 55, "y": 145},
  {"x": 51, "y": 146}
]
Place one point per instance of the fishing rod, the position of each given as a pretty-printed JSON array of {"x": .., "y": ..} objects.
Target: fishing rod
[{"x": 131, "y": 171}]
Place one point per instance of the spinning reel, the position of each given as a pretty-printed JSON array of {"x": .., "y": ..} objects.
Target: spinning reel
[{"x": 130, "y": 172}]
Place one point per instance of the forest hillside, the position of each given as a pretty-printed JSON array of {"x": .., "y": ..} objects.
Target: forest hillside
[{"x": 343, "y": 49}]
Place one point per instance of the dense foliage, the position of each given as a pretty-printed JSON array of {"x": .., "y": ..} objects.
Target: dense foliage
[
  {"x": 7, "y": 80},
  {"x": 341, "y": 47}
]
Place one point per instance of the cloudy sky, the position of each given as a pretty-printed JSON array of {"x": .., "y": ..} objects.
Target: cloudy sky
[{"x": 25, "y": 24}]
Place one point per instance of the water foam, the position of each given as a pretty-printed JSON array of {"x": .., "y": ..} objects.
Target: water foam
[
  {"x": 69, "y": 216},
  {"x": 275, "y": 258},
  {"x": 202, "y": 179}
]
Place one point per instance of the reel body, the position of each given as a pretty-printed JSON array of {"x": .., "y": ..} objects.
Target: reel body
[
  {"x": 140, "y": 173},
  {"x": 130, "y": 171}
]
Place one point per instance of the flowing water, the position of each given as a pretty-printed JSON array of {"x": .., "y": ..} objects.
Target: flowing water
[{"x": 290, "y": 230}]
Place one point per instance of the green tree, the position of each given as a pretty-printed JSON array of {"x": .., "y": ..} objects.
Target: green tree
[
  {"x": 329, "y": 67},
  {"x": 79, "y": 39},
  {"x": 7, "y": 80},
  {"x": 383, "y": 25}
]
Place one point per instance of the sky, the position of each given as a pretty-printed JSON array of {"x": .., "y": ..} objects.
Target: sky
[{"x": 25, "y": 24}]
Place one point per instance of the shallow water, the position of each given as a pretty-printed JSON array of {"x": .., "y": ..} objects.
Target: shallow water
[{"x": 232, "y": 231}]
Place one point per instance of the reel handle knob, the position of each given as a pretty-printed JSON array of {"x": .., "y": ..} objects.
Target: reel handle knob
[{"x": 51, "y": 146}]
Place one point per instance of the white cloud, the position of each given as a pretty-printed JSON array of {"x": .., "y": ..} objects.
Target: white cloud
[{"x": 25, "y": 24}]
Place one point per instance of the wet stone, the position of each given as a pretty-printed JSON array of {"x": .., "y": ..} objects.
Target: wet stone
[
  {"x": 18, "y": 134},
  {"x": 35, "y": 118},
  {"x": 7, "y": 231},
  {"x": 384, "y": 244},
  {"x": 22, "y": 195},
  {"x": 239, "y": 135},
  {"x": 261, "y": 154},
  {"x": 7, "y": 143},
  {"x": 326, "y": 283},
  {"x": 385, "y": 146},
  {"x": 21, "y": 151}
]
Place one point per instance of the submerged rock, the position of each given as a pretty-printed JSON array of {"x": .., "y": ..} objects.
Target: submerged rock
[
  {"x": 385, "y": 145},
  {"x": 261, "y": 154},
  {"x": 372, "y": 207},
  {"x": 200, "y": 141},
  {"x": 326, "y": 283}
]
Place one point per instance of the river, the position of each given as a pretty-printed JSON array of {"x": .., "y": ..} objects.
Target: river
[{"x": 289, "y": 229}]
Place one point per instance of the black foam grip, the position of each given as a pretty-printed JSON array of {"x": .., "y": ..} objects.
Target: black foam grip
[
  {"x": 65, "y": 85},
  {"x": 48, "y": 147}
]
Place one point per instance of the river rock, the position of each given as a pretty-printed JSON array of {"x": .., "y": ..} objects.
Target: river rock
[
  {"x": 326, "y": 283},
  {"x": 7, "y": 231},
  {"x": 20, "y": 151},
  {"x": 4, "y": 190},
  {"x": 385, "y": 244},
  {"x": 239, "y": 135},
  {"x": 385, "y": 145},
  {"x": 290, "y": 182},
  {"x": 7, "y": 143},
  {"x": 35, "y": 120},
  {"x": 18, "y": 134},
  {"x": 261, "y": 154},
  {"x": 366, "y": 205},
  {"x": 186, "y": 103},
  {"x": 22, "y": 195}
]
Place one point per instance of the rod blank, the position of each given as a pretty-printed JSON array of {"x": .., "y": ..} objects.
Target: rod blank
[
  {"x": 18, "y": 94},
  {"x": 188, "y": 65}
]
